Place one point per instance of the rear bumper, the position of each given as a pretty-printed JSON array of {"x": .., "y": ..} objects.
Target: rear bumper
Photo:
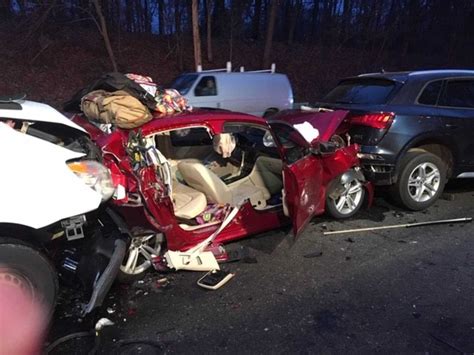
[
  {"x": 378, "y": 165},
  {"x": 379, "y": 173}
]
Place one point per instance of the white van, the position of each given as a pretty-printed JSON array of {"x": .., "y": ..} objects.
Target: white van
[{"x": 259, "y": 93}]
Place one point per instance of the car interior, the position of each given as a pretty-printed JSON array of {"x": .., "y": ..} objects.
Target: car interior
[{"x": 221, "y": 170}]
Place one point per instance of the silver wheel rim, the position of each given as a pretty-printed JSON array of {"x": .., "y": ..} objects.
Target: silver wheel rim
[
  {"x": 424, "y": 182},
  {"x": 350, "y": 198},
  {"x": 140, "y": 254}
]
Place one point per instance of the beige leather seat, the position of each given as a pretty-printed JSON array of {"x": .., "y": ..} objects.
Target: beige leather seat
[
  {"x": 187, "y": 202},
  {"x": 202, "y": 179}
]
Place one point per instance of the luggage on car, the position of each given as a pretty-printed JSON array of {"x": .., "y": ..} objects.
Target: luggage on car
[
  {"x": 113, "y": 82},
  {"x": 126, "y": 101},
  {"x": 117, "y": 108}
]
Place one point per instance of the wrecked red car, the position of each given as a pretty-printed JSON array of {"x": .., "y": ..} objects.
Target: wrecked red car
[{"x": 182, "y": 175}]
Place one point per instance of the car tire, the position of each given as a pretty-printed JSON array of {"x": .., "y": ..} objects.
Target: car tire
[
  {"x": 26, "y": 267},
  {"x": 348, "y": 202},
  {"x": 137, "y": 259},
  {"x": 421, "y": 180}
]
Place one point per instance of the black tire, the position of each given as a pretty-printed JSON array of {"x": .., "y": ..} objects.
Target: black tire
[
  {"x": 410, "y": 165},
  {"x": 30, "y": 269},
  {"x": 340, "y": 213}
]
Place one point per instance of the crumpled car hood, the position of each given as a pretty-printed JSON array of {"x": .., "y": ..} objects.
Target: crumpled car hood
[
  {"x": 38, "y": 112},
  {"x": 36, "y": 185}
]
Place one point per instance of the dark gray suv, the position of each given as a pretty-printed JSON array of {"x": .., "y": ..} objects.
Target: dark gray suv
[{"x": 416, "y": 129}]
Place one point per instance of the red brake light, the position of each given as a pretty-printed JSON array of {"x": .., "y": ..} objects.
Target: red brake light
[{"x": 379, "y": 120}]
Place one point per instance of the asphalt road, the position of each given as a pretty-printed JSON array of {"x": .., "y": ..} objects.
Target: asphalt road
[{"x": 404, "y": 290}]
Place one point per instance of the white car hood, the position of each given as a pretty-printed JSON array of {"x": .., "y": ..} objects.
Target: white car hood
[
  {"x": 35, "y": 111},
  {"x": 36, "y": 186}
]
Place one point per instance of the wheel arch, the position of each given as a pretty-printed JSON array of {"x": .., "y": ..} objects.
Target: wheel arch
[
  {"x": 23, "y": 234},
  {"x": 438, "y": 146}
]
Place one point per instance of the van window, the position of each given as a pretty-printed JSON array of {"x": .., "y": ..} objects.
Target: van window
[
  {"x": 458, "y": 93},
  {"x": 183, "y": 83},
  {"x": 206, "y": 87}
]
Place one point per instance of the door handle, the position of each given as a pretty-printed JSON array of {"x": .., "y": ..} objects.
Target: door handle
[{"x": 451, "y": 126}]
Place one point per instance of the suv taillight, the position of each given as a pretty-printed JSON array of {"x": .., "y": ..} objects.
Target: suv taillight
[{"x": 378, "y": 120}]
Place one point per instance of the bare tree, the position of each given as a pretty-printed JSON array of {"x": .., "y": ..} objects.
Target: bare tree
[
  {"x": 196, "y": 37},
  {"x": 42, "y": 19},
  {"x": 177, "y": 25},
  {"x": 256, "y": 19},
  {"x": 294, "y": 14},
  {"x": 269, "y": 34},
  {"x": 161, "y": 17},
  {"x": 5, "y": 8},
  {"x": 209, "y": 29},
  {"x": 105, "y": 34}
]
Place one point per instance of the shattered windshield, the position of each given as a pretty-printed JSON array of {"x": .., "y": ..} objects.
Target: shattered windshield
[{"x": 184, "y": 82}]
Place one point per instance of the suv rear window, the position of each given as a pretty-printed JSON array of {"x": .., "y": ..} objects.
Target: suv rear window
[{"x": 361, "y": 91}]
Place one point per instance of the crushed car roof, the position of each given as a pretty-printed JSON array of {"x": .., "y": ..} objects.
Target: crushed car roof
[{"x": 213, "y": 118}]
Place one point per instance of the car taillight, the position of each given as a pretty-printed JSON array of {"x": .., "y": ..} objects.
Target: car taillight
[{"x": 378, "y": 120}]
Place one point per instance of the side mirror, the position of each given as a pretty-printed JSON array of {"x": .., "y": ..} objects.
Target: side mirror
[{"x": 327, "y": 147}]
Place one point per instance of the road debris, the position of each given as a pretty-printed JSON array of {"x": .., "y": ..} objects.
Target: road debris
[
  {"x": 237, "y": 254},
  {"x": 215, "y": 279},
  {"x": 447, "y": 196},
  {"x": 314, "y": 254},
  {"x": 416, "y": 315},
  {"x": 406, "y": 225}
]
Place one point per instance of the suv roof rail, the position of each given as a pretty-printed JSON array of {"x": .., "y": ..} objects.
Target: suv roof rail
[{"x": 228, "y": 69}]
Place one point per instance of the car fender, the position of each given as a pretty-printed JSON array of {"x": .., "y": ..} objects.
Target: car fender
[
  {"x": 36, "y": 185},
  {"x": 427, "y": 138}
]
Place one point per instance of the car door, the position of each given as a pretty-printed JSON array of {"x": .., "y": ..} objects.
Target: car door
[{"x": 302, "y": 175}]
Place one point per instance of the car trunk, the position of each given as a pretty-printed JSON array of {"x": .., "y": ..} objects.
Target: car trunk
[{"x": 366, "y": 98}]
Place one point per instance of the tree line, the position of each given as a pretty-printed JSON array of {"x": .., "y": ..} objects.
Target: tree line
[{"x": 441, "y": 27}]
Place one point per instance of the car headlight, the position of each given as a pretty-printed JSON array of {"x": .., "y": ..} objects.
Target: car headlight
[{"x": 94, "y": 175}]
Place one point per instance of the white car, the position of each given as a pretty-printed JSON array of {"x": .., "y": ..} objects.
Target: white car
[{"x": 52, "y": 217}]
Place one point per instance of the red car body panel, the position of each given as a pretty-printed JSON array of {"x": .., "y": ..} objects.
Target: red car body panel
[
  {"x": 326, "y": 122},
  {"x": 305, "y": 181},
  {"x": 304, "y": 193}
]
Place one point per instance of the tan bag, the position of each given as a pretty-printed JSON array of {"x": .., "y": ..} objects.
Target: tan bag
[{"x": 118, "y": 108}]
